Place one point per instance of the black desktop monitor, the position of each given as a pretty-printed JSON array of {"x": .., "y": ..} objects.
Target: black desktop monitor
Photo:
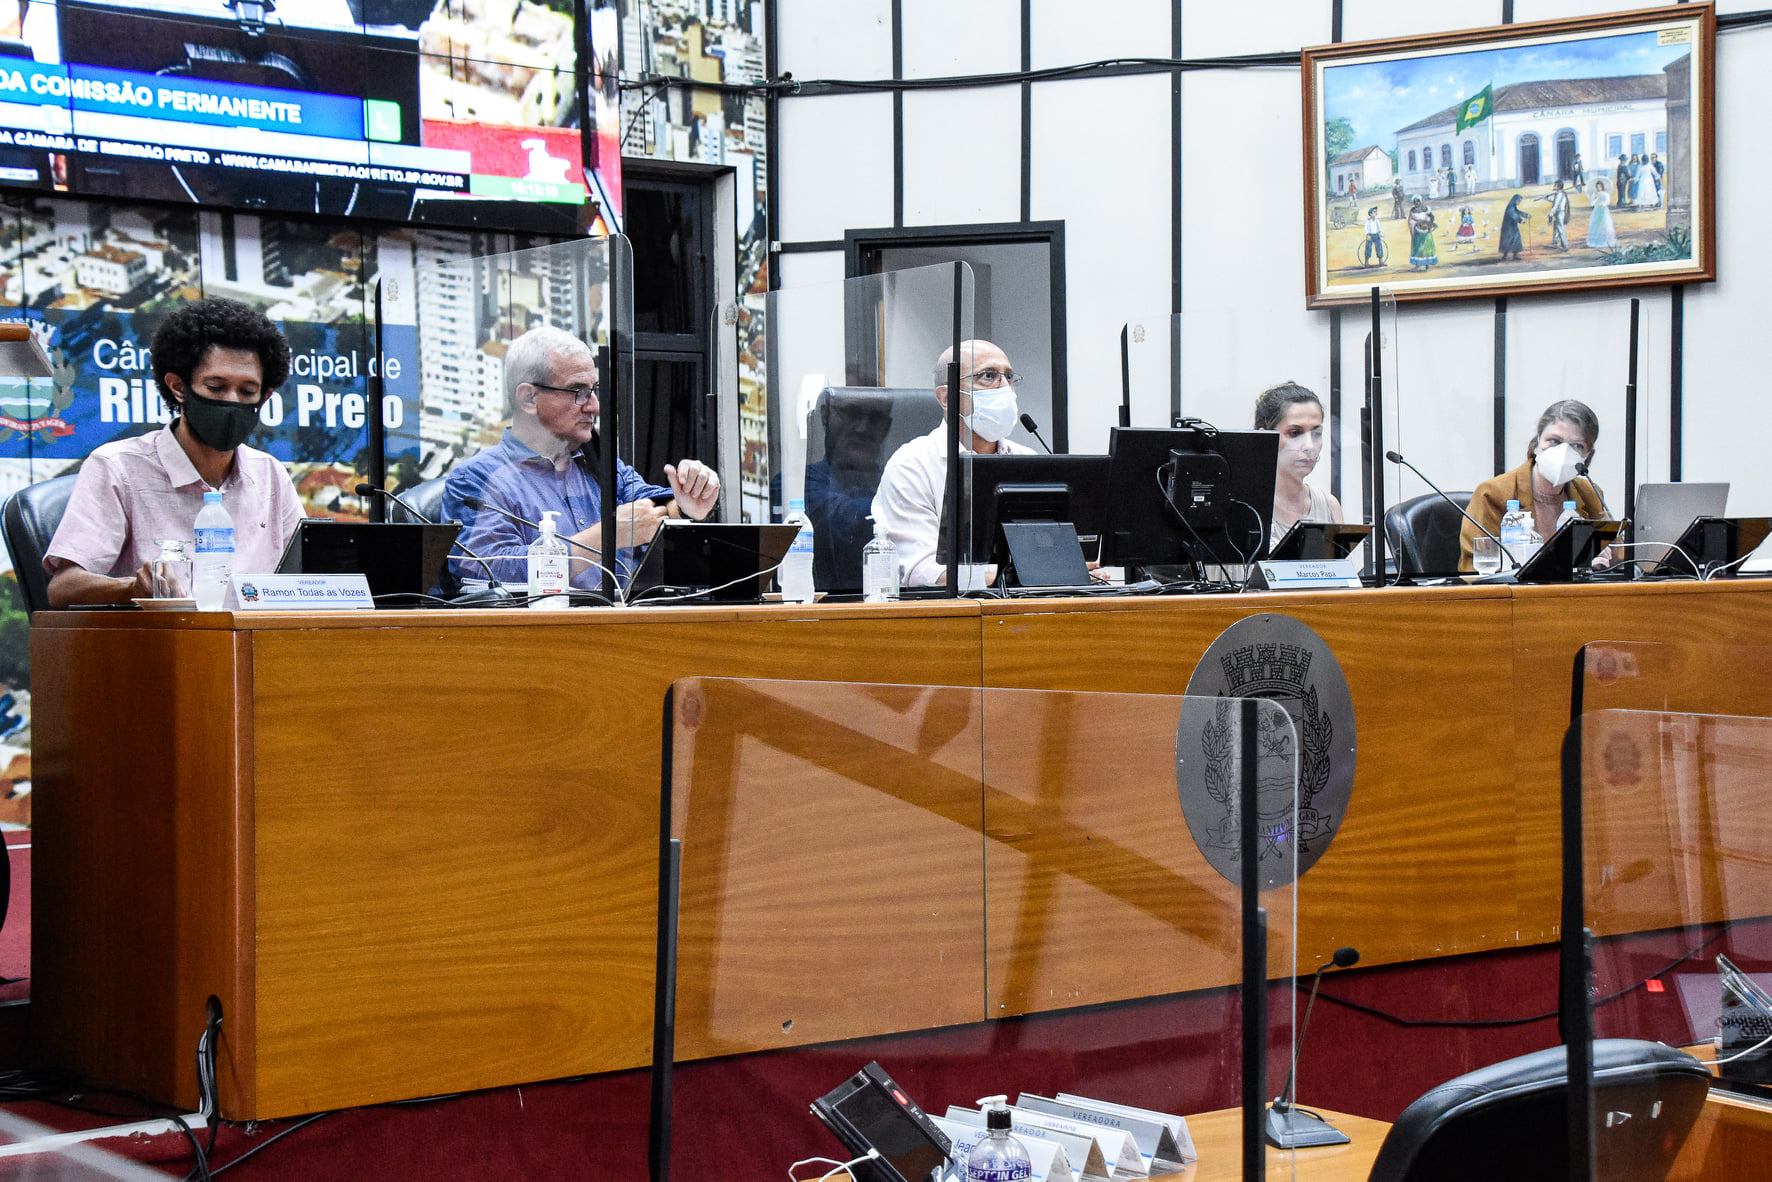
[
  {"x": 1182, "y": 495},
  {"x": 395, "y": 558},
  {"x": 1008, "y": 489},
  {"x": 1713, "y": 543}
]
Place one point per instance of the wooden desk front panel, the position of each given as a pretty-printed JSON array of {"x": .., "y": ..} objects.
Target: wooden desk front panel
[
  {"x": 142, "y": 830},
  {"x": 457, "y": 835},
  {"x": 1424, "y": 863}
]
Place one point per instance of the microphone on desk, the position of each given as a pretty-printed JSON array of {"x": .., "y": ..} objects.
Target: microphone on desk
[
  {"x": 1290, "y": 1127},
  {"x": 1027, "y": 420},
  {"x": 497, "y": 588},
  {"x": 1396, "y": 458}
]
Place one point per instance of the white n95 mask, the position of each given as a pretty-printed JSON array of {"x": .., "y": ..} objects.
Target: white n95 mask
[
  {"x": 1557, "y": 464},
  {"x": 994, "y": 413}
]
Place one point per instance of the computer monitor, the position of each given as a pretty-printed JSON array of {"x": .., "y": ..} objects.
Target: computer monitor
[
  {"x": 1714, "y": 544},
  {"x": 1008, "y": 489},
  {"x": 395, "y": 558},
  {"x": 1185, "y": 495},
  {"x": 1319, "y": 541},
  {"x": 713, "y": 562}
]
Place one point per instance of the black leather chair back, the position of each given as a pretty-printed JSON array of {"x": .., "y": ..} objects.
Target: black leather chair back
[
  {"x": 29, "y": 520},
  {"x": 1424, "y": 532},
  {"x": 1508, "y": 1120},
  {"x": 427, "y": 498}
]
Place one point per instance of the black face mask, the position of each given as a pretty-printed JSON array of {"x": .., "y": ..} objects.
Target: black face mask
[{"x": 219, "y": 424}]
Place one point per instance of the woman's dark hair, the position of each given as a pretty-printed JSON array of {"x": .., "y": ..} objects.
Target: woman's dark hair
[
  {"x": 189, "y": 332},
  {"x": 1567, "y": 411},
  {"x": 1271, "y": 406}
]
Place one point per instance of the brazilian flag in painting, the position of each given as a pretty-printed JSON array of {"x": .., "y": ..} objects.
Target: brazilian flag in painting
[{"x": 1476, "y": 108}]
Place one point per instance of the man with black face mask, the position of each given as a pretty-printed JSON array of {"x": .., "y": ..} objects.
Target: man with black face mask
[{"x": 216, "y": 361}]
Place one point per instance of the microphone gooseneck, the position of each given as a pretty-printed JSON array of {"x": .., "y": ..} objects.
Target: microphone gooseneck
[
  {"x": 1581, "y": 470},
  {"x": 1396, "y": 458},
  {"x": 367, "y": 490},
  {"x": 1033, "y": 428},
  {"x": 1345, "y": 957}
]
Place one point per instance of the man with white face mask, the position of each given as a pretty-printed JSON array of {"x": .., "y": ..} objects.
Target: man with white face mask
[
  {"x": 1564, "y": 442},
  {"x": 909, "y": 500}
]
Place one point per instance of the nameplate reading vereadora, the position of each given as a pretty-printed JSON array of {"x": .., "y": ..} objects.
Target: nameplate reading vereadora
[{"x": 301, "y": 593}]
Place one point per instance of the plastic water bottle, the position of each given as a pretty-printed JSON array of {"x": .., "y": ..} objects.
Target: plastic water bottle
[
  {"x": 215, "y": 554},
  {"x": 1569, "y": 513},
  {"x": 1516, "y": 533},
  {"x": 999, "y": 1157},
  {"x": 550, "y": 574},
  {"x": 879, "y": 568},
  {"x": 795, "y": 575}
]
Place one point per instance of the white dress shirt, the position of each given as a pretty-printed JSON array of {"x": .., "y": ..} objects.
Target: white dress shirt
[{"x": 909, "y": 501}]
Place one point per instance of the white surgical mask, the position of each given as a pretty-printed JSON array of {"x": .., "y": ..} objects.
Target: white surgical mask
[
  {"x": 1557, "y": 464},
  {"x": 994, "y": 413}
]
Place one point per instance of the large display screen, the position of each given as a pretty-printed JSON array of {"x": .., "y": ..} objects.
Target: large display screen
[{"x": 461, "y": 112}]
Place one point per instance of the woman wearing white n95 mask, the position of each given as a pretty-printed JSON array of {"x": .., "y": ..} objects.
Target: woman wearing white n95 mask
[{"x": 1563, "y": 444}]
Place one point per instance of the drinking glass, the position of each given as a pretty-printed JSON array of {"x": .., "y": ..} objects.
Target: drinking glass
[
  {"x": 1485, "y": 555},
  {"x": 171, "y": 571}
]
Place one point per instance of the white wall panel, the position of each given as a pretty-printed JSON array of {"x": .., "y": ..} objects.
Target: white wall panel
[
  {"x": 1101, "y": 163},
  {"x": 1550, "y": 10},
  {"x": 1212, "y": 30},
  {"x": 804, "y": 270},
  {"x": 942, "y": 38},
  {"x": 1578, "y": 347},
  {"x": 819, "y": 39},
  {"x": 1728, "y": 349},
  {"x": 1440, "y": 395},
  {"x": 836, "y": 165},
  {"x": 1369, "y": 20},
  {"x": 1244, "y": 323},
  {"x": 1066, "y": 33},
  {"x": 979, "y": 133}
]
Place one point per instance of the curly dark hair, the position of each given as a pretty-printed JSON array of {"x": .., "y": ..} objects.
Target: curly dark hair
[{"x": 188, "y": 333}]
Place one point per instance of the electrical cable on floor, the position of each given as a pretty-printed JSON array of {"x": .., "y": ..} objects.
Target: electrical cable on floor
[{"x": 265, "y": 1144}]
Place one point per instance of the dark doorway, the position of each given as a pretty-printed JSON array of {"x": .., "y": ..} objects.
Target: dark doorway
[
  {"x": 1565, "y": 155},
  {"x": 1528, "y": 159},
  {"x": 669, "y": 221}
]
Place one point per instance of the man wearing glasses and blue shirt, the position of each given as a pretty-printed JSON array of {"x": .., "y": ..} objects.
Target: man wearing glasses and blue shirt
[
  {"x": 551, "y": 389},
  {"x": 915, "y": 482}
]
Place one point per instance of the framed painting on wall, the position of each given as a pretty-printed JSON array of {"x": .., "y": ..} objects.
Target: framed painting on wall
[{"x": 1542, "y": 157}]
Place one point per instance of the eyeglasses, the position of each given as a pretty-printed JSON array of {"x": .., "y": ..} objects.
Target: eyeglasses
[
  {"x": 992, "y": 379},
  {"x": 583, "y": 395}
]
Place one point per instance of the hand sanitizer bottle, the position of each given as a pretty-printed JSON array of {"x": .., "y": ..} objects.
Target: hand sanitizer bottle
[
  {"x": 550, "y": 574},
  {"x": 999, "y": 1157}
]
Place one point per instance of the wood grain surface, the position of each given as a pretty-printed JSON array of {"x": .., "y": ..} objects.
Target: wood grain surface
[
  {"x": 415, "y": 853},
  {"x": 1424, "y": 863}
]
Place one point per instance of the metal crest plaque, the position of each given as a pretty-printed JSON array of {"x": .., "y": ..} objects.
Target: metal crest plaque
[{"x": 1280, "y": 659}]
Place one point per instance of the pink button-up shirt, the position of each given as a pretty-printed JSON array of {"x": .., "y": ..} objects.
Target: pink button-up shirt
[{"x": 134, "y": 492}]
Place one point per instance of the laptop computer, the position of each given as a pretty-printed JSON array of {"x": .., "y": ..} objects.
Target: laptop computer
[{"x": 1665, "y": 510}]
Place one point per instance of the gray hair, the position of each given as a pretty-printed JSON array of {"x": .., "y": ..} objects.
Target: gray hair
[
  {"x": 531, "y": 359},
  {"x": 1567, "y": 410}
]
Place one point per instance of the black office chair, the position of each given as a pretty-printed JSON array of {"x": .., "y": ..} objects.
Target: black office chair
[
  {"x": 1507, "y": 1120},
  {"x": 427, "y": 498},
  {"x": 28, "y": 521},
  {"x": 1424, "y": 533}
]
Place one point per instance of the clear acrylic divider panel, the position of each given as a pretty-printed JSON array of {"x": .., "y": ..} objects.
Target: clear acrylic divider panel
[
  {"x": 471, "y": 313},
  {"x": 865, "y": 340},
  {"x": 1693, "y": 678},
  {"x": 870, "y": 872},
  {"x": 1580, "y": 349},
  {"x": 1149, "y": 379},
  {"x": 1677, "y": 891},
  {"x": 736, "y": 419}
]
